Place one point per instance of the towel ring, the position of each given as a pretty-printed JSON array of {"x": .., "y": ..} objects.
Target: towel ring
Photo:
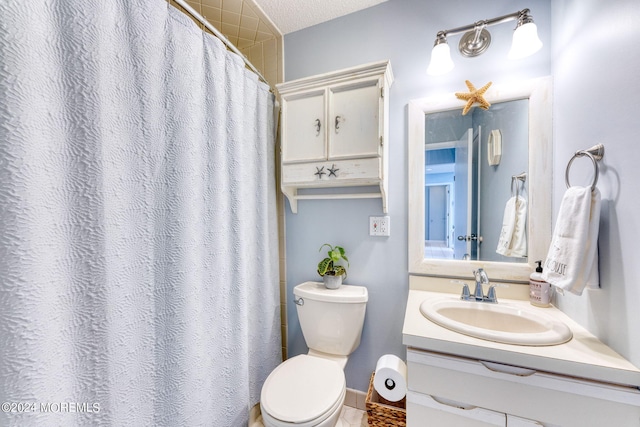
[{"x": 594, "y": 153}]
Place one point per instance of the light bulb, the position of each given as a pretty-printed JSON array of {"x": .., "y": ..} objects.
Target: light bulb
[
  {"x": 525, "y": 41},
  {"x": 440, "y": 60}
]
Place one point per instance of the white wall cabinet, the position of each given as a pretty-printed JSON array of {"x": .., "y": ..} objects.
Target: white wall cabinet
[
  {"x": 335, "y": 134},
  {"x": 446, "y": 390}
]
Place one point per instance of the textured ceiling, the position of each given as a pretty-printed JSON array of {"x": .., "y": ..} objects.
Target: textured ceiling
[{"x": 293, "y": 15}]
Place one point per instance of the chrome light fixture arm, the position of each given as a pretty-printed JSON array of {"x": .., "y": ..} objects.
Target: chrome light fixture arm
[
  {"x": 523, "y": 16},
  {"x": 476, "y": 40}
]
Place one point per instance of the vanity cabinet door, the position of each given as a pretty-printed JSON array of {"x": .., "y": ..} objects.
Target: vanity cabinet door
[
  {"x": 354, "y": 120},
  {"x": 304, "y": 127}
]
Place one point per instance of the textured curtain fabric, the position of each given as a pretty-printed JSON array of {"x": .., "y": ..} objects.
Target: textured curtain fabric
[{"x": 138, "y": 235}]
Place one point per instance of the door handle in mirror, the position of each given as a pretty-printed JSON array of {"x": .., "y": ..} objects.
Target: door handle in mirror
[{"x": 470, "y": 238}]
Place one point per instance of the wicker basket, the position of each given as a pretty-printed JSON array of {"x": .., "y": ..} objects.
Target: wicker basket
[{"x": 381, "y": 412}]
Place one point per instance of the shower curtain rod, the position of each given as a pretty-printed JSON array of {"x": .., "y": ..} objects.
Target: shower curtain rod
[{"x": 224, "y": 40}]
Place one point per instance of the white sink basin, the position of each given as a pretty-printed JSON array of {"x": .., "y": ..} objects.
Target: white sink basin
[{"x": 499, "y": 322}]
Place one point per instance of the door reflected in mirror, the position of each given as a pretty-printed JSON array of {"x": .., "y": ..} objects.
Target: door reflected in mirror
[{"x": 470, "y": 162}]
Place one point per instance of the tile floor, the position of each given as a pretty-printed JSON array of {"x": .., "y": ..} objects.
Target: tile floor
[{"x": 351, "y": 417}]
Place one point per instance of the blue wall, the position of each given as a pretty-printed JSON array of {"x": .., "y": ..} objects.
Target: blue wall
[
  {"x": 402, "y": 31},
  {"x": 595, "y": 68}
]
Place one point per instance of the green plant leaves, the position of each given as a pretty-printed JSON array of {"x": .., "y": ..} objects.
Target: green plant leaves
[
  {"x": 339, "y": 270},
  {"x": 328, "y": 266},
  {"x": 324, "y": 266}
]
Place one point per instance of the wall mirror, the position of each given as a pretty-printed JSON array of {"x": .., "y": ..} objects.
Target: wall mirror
[{"x": 464, "y": 169}]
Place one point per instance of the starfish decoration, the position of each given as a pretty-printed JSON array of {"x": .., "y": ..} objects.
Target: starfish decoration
[
  {"x": 320, "y": 172},
  {"x": 474, "y": 96},
  {"x": 332, "y": 170}
]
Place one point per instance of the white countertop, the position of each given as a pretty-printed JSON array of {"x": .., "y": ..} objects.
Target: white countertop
[{"x": 583, "y": 356}]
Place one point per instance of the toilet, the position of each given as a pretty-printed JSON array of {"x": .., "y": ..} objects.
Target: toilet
[{"x": 309, "y": 389}]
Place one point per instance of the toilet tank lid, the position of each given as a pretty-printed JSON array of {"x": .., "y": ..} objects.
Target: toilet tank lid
[{"x": 316, "y": 291}]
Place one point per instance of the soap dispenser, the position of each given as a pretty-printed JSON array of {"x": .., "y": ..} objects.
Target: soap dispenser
[{"x": 539, "y": 290}]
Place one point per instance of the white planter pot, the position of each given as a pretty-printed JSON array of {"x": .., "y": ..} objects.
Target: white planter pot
[{"x": 332, "y": 282}]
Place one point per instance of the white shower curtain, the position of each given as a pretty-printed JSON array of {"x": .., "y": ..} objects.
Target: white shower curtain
[{"x": 138, "y": 235}]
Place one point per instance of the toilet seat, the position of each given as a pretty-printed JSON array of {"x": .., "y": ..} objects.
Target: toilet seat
[{"x": 303, "y": 391}]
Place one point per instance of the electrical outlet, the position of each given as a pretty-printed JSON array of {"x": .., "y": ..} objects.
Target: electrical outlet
[{"x": 379, "y": 226}]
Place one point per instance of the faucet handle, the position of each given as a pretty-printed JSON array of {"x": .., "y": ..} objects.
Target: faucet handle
[
  {"x": 466, "y": 293},
  {"x": 491, "y": 294}
]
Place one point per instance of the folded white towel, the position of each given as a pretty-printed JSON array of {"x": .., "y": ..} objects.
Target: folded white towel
[
  {"x": 513, "y": 236},
  {"x": 508, "y": 224},
  {"x": 572, "y": 261}
]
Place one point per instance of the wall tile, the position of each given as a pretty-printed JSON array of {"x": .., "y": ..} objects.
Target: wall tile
[
  {"x": 249, "y": 10},
  {"x": 212, "y": 14},
  {"x": 212, "y": 3},
  {"x": 243, "y": 23},
  {"x": 256, "y": 56},
  {"x": 247, "y": 34},
  {"x": 244, "y": 43},
  {"x": 231, "y": 18},
  {"x": 195, "y": 4},
  {"x": 232, "y": 6}
]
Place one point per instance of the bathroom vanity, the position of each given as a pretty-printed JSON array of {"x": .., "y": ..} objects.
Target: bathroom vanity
[{"x": 458, "y": 380}]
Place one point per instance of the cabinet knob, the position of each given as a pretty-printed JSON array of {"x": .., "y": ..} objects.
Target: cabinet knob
[
  {"x": 317, "y": 124},
  {"x": 339, "y": 119}
]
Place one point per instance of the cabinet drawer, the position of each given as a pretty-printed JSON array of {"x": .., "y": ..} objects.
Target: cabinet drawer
[
  {"x": 425, "y": 410},
  {"x": 347, "y": 172},
  {"x": 547, "y": 398}
]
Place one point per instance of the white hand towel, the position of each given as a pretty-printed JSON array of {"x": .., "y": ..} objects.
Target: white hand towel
[
  {"x": 513, "y": 236},
  {"x": 519, "y": 239},
  {"x": 508, "y": 224},
  {"x": 572, "y": 261}
]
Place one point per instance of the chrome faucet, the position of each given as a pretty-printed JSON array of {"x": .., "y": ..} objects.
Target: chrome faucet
[
  {"x": 478, "y": 293},
  {"x": 482, "y": 279}
]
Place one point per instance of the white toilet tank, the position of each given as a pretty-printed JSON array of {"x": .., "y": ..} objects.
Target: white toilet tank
[{"x": 331, "y": 319}]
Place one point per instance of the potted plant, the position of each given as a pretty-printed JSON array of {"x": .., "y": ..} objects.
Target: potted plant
[{"x": 331, "y": 272}]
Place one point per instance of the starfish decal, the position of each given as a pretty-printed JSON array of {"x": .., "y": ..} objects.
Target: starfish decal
[
  {"x": 474, "y": 96},
  {"x": 320, "y": 172},
  {"x": 332, "y": 170}
]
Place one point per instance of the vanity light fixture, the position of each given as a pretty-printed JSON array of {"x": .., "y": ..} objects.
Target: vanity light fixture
[{"x": 476, "y": 39}]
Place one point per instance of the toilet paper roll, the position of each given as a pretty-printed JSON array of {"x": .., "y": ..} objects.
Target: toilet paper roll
[{"x": 390, "y": 380}]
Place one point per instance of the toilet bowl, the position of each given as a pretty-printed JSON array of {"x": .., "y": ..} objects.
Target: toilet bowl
[
  {"x": 304, "y": 391},
  {"x": 309, "y": 390}
]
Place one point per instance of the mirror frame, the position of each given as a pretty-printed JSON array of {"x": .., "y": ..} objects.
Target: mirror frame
[{"x": 539, "y": 182}]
